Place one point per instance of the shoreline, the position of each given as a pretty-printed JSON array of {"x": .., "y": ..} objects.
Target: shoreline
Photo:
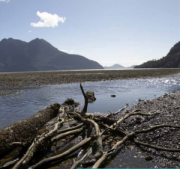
[
  {"x": 13, "y": 83},
  {"x": 168, "y": 107}
]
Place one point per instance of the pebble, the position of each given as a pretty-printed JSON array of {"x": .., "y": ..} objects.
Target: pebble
[{"x": 148, "y": 157}]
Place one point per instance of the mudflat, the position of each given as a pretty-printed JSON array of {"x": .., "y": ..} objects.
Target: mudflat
[{"x": 11, "y": 83}]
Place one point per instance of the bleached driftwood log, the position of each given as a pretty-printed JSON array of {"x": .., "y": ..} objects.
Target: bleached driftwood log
[{"x": 24, "y": 132}]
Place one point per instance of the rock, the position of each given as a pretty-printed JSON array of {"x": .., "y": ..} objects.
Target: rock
[
  {"x": 71, "y": 102},
  {"x": 117, "y": 138},
  {"x": 138, "y": 120},
  {"x": 113, "y": 95},
  {"x": 72, "y": 123},
  {"x": 90, "y": 95},
  {"x": 127, "y": 111},
  {"x": 59, "y": 144},
  {"x": 148, "y": 157},
  {"x": 53, "y": 148}
]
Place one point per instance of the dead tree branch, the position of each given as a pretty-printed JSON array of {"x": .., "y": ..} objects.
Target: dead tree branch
[
  {"x": 57, "y": 157},
  {"x": 84, "y": 110}
]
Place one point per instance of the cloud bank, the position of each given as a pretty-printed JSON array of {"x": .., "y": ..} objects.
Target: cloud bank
[{"x": 48, "y": 20}]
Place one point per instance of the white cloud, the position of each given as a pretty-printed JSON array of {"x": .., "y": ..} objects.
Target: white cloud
[
  {"x": 67, "y": 51},
  {"x": 63, "y": 50},
  {"x": 4, "y": 0},
  {"x": 48, "y": 20},
  {"x": 29, "y": 31}
]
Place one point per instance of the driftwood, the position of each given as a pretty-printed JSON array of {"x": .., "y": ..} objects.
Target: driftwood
[
  {"x": 94, "y": 129},
  {"x": 60, "y": 156},
  {"x": 38, "y": 141},
  {"x": 84, "y": 110},
  {"x": 24, "y": 131}
]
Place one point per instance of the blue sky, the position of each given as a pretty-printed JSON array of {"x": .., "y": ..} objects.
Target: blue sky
[{"x": 127, "y": 32}]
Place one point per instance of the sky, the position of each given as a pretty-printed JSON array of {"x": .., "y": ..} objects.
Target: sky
[{"x": 126, "y": 32}]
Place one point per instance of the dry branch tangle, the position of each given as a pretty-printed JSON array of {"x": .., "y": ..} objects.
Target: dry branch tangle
[
  {"x": 57, "y": 157},
  {"x": 101, "y": 126},
  {"x": 103, "y": 156}
]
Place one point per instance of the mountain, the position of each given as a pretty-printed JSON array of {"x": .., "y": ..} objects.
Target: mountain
[
  {"x": 39, "y": 55},
  {"x": 132, "y": 66},
  {"x": 171, "y": 60},
  {"x": 115, "y": 66}
]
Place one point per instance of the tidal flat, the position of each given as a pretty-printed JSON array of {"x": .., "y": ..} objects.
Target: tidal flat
[
  {"x": 12, "y": 83},
  {"x": 145, "y": 92}
]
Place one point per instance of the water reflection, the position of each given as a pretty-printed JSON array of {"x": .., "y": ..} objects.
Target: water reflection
[{"x": 17, "y": 107}]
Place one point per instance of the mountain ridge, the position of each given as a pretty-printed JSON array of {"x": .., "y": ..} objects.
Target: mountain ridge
[
  {"x": 118, "y": 66},
  {"x": 39, "y": 55},
  {"x": 115, "y": 66},
  {"x": 171, "y": 60}
]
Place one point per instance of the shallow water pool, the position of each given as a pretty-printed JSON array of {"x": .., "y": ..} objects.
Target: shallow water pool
[{"x": 20, "y": 106}]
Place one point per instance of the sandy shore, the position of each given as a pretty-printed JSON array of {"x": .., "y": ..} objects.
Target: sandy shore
[
  {"x": 168, "y": 106},
  {"x": 12, "y": 83}
]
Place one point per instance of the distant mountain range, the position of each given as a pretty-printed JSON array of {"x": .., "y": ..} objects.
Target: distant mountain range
[
  {"x": 39, "y": 55},
  {"x": 117, "y": 66},
  {"x": 171, "y": 60}
]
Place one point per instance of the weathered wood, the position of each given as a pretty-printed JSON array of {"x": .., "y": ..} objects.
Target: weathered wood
[
  {"x": 25, "y": 131},
  {"x": 84, "y": 110},
  {"x": 59, "y": 156},
  {"x": 91, "y": 132},
  {"x": 62, "y": 135},
  {"x": 98, "y": 135},
  {"x": 38, "y": 141}
]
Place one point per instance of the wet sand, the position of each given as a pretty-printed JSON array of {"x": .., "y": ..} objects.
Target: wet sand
[{"x": 12, "y": 83}]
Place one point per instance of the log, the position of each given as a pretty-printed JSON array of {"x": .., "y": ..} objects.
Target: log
[
  {"x": 38, "y": 141},
  {"x": 25, "y": 131}
]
